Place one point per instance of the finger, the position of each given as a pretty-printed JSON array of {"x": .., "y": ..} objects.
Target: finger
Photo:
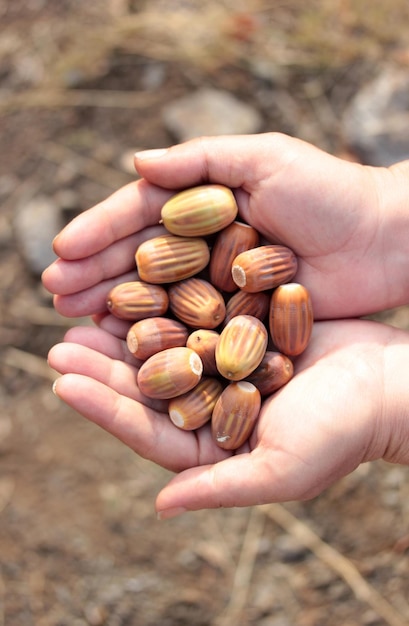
[
  {"x": 113, "y": 325},
  {"x": 89, "y": 301},
  {"x": 65, "y": 277},
  {"x": 130, "y": 209},
  {"x": 149, "y": 433},
  {"x": 102, "y": 341},
  {"x": 235, "y": 161}
]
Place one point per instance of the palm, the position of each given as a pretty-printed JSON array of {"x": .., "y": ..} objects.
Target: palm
[{"x": 314, "y": 430}]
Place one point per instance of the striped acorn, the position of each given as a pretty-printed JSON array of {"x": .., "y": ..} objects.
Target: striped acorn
[
  {"x": 203, "y": 341},
  {"x": 229, "y": 243},
  {"x": 199, "y": 211},
  {"x": 153, "y": 334},
  {"x": 194, "y": 408},
  {"x": 197, "y": 303},
  {"x": 170, "y": 373},
  {"x": 291, "y": 318},
  {"x": 244, "y": 303},
  {"x": 235, "y": 414},
  {"x": 274, "y": 371},
  {"x": 264, "y": 267},
  {"x": 168, "y": 258},
  {"x": 241, "y": 346},
  {"x": 136, "y": 300}
]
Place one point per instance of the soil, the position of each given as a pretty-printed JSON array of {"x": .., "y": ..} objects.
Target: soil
[{"x": 79, "y": 541}]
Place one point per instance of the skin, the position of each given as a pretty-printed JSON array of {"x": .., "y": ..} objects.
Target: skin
[{"x": 348, "y": 401}]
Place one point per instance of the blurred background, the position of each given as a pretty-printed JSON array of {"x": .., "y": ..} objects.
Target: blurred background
[{"x": 82, "y": 86}]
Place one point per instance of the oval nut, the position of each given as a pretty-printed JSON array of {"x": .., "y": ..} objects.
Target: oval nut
[
  {"x": 197, "y": 303},
  {"x": 274, "y": 371},
  {"x": 203, "y": 341},
  {"x": 244, "y": 303},
  {"x": 168, "y": 258},
  {"x": 199, "y": 211},
  {"x": 153, "y": 334},
  {"x": 194, "y": 408},
  {"x": 136, "y": 300},
  {"x": 235, "y": 414},
  {"x": 241, "y": 346},
  {"x": 229, "y": 243},
  {"x": 291, "y": 318},
  {"x": 264, "y": 267},
  {"x": 170, "y": 373}
]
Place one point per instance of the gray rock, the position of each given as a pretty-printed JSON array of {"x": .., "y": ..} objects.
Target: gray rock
[
  {"x": 36, "y": 224},
  {"x": 210, "y": 112},
  {"x": 376, "y": 124}
]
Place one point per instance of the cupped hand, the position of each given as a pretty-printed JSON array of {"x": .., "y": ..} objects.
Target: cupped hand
[
  {"x": 345, "y": 405},
  {"x": 330, "y": 212}
]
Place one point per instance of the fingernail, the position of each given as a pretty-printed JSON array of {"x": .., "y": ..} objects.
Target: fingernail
[
  {"x": 169, "y": 513},
  {"x": 54, "y": 387},
  {"x": 150, "y": 154}
]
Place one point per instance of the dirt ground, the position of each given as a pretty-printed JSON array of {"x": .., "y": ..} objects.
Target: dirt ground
[{"x": 79, "y": 541}]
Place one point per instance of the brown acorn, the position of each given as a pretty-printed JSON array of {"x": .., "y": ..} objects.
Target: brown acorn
[
  {"x": 168, "y": 258},
  {"x": 264, "y": 267},
  {"x": 235, "y": 414},
  {"x": 203, "y": 341},
  {"x": 230, "y": 242},
  {"x": 194, "y": 408},
  {"x": 291, "y": 318},
  {"x": 197, "y": 303},
  {"x": 154, "y": 334},
  {"x": 244, "y": 303},
  {"x": 199, "y": 211},
  {"x": 170, "y": 373},
  {"x": 274, "y": 371},
  {"x": 241, "y": 346},
  {"x": 136, "y": 300}
]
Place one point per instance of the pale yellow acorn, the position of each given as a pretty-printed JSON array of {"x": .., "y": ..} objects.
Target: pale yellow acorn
[
  {"x": 291, "y": 318},
  {"x": 274, "y": 371},
  {"x": 235, "y": 414},
  {"x": 264, "y": 267},
  {"x": 203, "y": 341},
  {"x": 197, "y": 303},
  {"x": 154, "y": 334},
  {"x": 194, "y": 408},
  {"x": 169, "y": 258},
  {"x": 199, "y": 211},
  {"x": 136, "y": 300},
  {"x": 241, "y": 346},
  {"x": 244, "y": 303},
  {"x": 229, "y": 243},
  {"x": 170, "y": 373}
]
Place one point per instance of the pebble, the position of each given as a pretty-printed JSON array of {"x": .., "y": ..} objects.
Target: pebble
[
  {"x": 210, "y": 112},
  {"x": 376, "y": 124},
  {"x": 36, "y": 224}
]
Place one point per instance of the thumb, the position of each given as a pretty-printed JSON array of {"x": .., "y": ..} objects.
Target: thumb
[
  {"x": 234, "y": 161},
  {"x": 237, "y": 481}
]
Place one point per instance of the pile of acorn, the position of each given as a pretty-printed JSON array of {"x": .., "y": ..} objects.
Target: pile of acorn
[{"x": 216, "y": 318}]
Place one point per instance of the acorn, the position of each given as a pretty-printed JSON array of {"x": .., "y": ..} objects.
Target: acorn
[
  {"x": 274, "y": 371},
  {"x": 136, "y": 300},
  {"x": 291, "y": 318},
  {"x": 197, "y": 303},
  {"x": 153, "y": 334},
  {"x": 235, "y": 414},
  {"x": 170, "y": 373},
  {"x": 229, "y": 243},
  {"x": 203, "y": 341},
  {"x": 199, "y": 211},
  {"x": 168, "y": 258},
  {"x": 244, "y": 303},
  {"x": 193, "y": 409},
  {"x": 264, "y": 268},
  {"x": 241, "y": 346}
]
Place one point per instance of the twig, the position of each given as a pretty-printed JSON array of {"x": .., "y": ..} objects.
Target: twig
[
  {"x": 27, "y": 362},
  {"x": 244, "y": 571},
  {"x": 362, "y": 590}
]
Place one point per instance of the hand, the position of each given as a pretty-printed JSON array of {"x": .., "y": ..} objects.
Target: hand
[
  {"x": 347, "y": 404},
  {"x": 348, "y": 224}
]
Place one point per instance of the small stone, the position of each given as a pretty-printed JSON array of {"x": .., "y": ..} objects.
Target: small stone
[{"x": 210, "y": 112}]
